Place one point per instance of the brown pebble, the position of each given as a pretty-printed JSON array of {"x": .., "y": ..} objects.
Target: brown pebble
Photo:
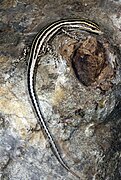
[{"x": 88, "y": 61}]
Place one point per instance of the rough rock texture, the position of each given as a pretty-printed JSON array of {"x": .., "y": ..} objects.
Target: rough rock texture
[{"x": 84, "y": 120}]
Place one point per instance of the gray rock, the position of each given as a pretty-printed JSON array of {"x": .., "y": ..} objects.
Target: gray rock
[{"x": 84, "y": 120}]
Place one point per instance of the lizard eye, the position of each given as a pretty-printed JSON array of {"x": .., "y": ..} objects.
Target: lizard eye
[{"x": 93, "y": 28}]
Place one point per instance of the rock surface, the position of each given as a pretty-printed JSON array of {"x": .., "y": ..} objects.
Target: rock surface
[{"x": 84, "y": 120}]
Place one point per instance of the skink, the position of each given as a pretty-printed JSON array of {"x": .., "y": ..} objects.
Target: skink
[{"x": 38, "y": 46}]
